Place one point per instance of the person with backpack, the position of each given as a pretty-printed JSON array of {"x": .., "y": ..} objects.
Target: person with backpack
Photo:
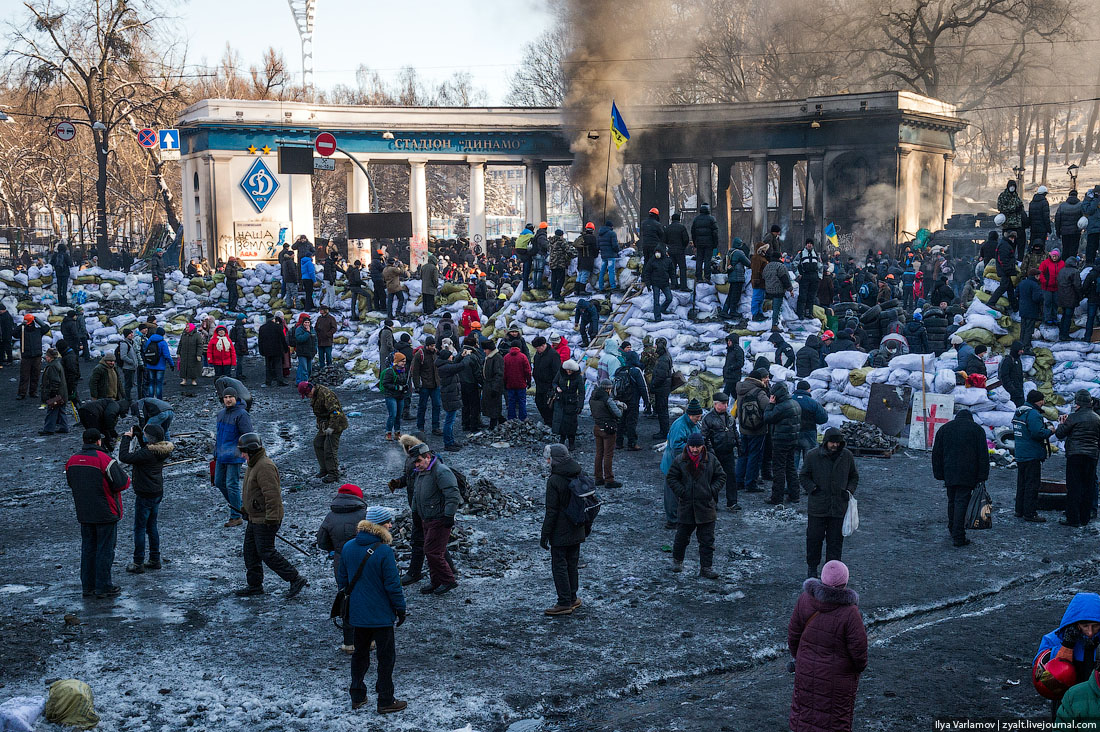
[
  {"x": 630, "y": 387},
  {"x": 565, "y": 524},
  {"x": 733, "y": 365},
  {"x": 684, "y": 427},
  {"x": 148, "y": 460},
  {"x": 1081, "y": 432},
  {"x": 809, "y": 268},
  {"x": 586, "y": 319},
  {"x": 367, "y": 572},
  {"x": 696, "y": 479},
  {"x": 960, "y": 458},
  {"x": 783, "y": 416},
  {"x": 128, "y": 356},
  {"x": 752, "y": 401},
  {"x": 157, "y": 358},
  {"x": 777, "y": 283}
]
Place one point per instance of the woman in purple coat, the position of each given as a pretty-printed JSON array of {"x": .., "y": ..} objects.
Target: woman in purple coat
[{"x": 829, "y": 643}]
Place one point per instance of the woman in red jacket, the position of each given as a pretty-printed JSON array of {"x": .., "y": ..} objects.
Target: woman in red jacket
[
  {"x": 1048, "y": 281},
  {"x": 829, "y": 643},
  {"x": 469, "y": 316},
  {"x": 220, "y": 352}
]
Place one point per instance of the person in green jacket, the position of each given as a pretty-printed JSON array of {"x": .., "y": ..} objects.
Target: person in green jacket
[{"x": 1081, "y": 704}]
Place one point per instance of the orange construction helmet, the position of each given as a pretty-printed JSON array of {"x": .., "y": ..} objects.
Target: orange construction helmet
[
  {"x": 543, "y": 224},
  {"x": 590, "y": 226},
  {"x": 654, "y": 211}
]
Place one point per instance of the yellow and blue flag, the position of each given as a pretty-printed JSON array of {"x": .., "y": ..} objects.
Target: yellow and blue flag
[
  {"x": 619, "y": 133},
  {"x": 830, "y": 234}
]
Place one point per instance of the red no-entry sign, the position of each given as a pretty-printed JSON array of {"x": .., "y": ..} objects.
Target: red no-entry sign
[{"x": 325, "y": 144}]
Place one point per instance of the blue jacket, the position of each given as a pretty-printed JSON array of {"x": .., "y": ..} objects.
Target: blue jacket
[
  {"x": 586, "y": 312},
  {"x": 813, "y": 413},
  {"x": 1085, "y": 606},
  {"x": 678, "y": 435},
  {"x": 908, "y": 277},
  {"x": 1090, "y": 206},
  {"x": 377, "y": 596},
  {"x": 165, "y": 354},
  {"x": 608, "y": 241},
  {"x": 1031, "y": 434},
  {"x": 1031, "y": 299},
  {"x": 309, "y": 272},
  {"x": 965, "y": 351},
  {"x": 232, "y": 423}
]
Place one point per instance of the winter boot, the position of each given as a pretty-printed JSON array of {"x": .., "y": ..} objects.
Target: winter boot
[
  {"x": 708, "y": 573},
  {"x": 558, "y": 609},
  {"x": 395, "y": 706},
  {"x": 135, "y": 568},
  {"x": 410, "y": 579},
  {"x": 249, "y": 590},
  {"x": 677, "y": 566},
  {"x": 152, "y": 564},
  {"x": 296, "y": 587}
]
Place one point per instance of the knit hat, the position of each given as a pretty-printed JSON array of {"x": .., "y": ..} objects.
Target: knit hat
[
  {"x": 350, "y": 489},
  {"x": 230, "y": 391},
  {"x": 1035, "y": 396},
  {"x": 91, "y": 436},
  {"x": 918, "y": 315},
  {"x": 153, "y": 433},
  {"x": 696, "y": 440},
  {"x": 304, "y": 388},
  {"x": 606, "y": 383},
  {"x": 571, "y": 365},
  {"x": 555, "y": 337},
  {"x": 720, "y": 396},
  {"x": 398, "y": 358},
  {"x": 379, "y": 515},
  {"x": 759, "y": 374},
  {"x": 557, "y": 452},
  {"x": 160, "y": 331},
  {"x": 429, "y": 341},
  {"x": 956, "y": 339},
  {"x": 694, "y": 408},
  {"x": 109, "y": 357},
  {"x": 834, "y": 573},
  {"x": 538, "y": 341},
  {"x": 405, "y": 338},
  {"x": 1082, "y": 398},
  {"x": 802, "y": 385}
]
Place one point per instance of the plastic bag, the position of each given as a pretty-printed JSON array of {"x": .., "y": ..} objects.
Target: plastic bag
[
  {"x": 979, "y": 514},
  {"x": 21, "y": 713},
  {"x": 851, "y": 517}
]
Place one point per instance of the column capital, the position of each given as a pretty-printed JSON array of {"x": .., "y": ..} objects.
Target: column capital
[
  {"x": 417, "y": 162},
  {"x": 476, "y": 159},
  {"x": 758, "y": 157}
]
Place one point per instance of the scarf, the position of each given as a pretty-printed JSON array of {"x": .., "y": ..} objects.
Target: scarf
[{"x": 223, "y": 344}]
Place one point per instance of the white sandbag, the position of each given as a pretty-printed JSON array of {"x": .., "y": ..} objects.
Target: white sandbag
[
  {"x": 911, "y": 362},
  {"x": 878, "y": 376},
  {"x": 21, "y": 713},
  {"x": 899, "y": 377},
  {"x": 820, "y": 374},
  {"x": 985, "y": 322},
  {"x": 915, "y": 379},
  {"x": 846, "y": 360},
  {"x": 838, "y": 378},
  {"x": 968, "y": 396},
  {"x": 945, "y": 381},
  {"x": 994, "y": 418}
]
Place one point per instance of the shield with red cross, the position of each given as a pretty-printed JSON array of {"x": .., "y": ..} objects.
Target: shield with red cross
[{"x": 930, "y": 412}]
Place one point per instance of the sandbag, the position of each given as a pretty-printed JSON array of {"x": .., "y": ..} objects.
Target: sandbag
[
  {"x": 857, "y": 377},
  {"x": 978, "y": 335},
  {"x": 21, "y": 713},
  {"x": 847, "y": 360},
  {"x": 71, "y": 704},
  {"x": 852, "y": 413}
]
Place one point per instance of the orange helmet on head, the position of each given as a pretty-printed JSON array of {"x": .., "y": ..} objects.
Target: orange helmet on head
[
  {"x": 590, "y": 226},
  {"x": 654, "y": 211},
  {"x": 543, "y": 224}
]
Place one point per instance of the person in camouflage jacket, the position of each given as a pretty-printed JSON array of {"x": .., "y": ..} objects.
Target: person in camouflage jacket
[
  {"x": 331, "y": 422},
  {"x": 562, "y": 253}
]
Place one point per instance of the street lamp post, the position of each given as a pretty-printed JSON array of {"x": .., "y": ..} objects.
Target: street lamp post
[{"x": 1019, "y": 171}]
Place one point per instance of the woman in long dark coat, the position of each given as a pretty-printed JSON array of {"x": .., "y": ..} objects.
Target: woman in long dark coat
[
  {"x": 829, "y": 643},
  {"x": 189, "y": 354},
  {"x": 568, "y": 395}
]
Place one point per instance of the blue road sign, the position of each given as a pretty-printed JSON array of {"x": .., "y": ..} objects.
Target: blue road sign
[
  {"x": 259, "y": 184},
  {"x": 169, "y": 139}
]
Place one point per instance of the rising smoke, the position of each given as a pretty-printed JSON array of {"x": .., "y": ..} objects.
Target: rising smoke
[{"x": 612, "y": 57}]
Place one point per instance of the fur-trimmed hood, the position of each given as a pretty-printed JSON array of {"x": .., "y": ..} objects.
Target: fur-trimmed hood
[
  {"x": 408, "y": 441},
  {"x": 369, "y": 532},
  {"x": 161, "y": 449},
  {"x": 826, "y": 595}
]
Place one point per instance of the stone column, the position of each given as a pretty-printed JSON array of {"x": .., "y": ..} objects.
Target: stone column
[
  {"x": 192, "y": 225},
  {"x": 647, "y": 190},
  {"x": 661, "y": 198},
  {"x": 908, "y": 220},
  {"x": 359, "y": 201},
  {"x": 535, "y": 191},
  {"x": 721, "y": 207},
  {"x": 948, "y": 187},
  {"x": 759, "y": 196},
  {"x": 219, "y": 206},
  {"x": 477, "y": 201},
  {"x": 418, "y": 205},
  {"x": 815, "y": 197},
  {"x": 704, "y": 184},
  {"x": 786, "y": 204}
]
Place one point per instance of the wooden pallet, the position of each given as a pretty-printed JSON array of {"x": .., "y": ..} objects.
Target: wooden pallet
[{"x": 875, "y": 452}]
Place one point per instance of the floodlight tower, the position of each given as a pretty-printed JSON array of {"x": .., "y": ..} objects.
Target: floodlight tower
[{"x": 303, "y": 11}]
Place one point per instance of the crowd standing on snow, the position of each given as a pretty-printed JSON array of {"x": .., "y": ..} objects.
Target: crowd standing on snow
[{"x": 889, "y": 319}]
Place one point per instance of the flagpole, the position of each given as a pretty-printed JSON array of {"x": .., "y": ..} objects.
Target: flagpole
[{"x": 607, "y": 174}]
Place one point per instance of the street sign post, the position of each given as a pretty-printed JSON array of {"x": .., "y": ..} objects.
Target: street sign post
[
  {"x": 147, "y": 137},
  {"x": 325, "y": 144},
  {"x": 169, "y": 144},
  {"x": 64, "y": 131}
]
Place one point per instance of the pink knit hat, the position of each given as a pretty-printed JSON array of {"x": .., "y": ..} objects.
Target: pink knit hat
[{"x": 834, "y": 573}]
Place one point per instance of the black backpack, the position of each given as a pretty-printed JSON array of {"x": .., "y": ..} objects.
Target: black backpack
[
  {"x": 584, "y": 504},
  {"x": 750, "y": 415},
  {"x": 622, "y": 385},
  {"x": 463, "y": 485},
  {"x": 150, "y": 355}
]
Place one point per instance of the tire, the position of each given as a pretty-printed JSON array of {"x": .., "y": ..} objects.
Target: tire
[
  {"x": 1005, "y": 438},
  {"x": 871, "y": 315}
]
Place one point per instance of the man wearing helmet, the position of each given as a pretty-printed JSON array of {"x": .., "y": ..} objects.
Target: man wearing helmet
[
  {"x": 262, "y": 506},
  {"x": 652, "y": 235}
]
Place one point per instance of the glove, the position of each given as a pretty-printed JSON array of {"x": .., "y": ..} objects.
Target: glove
[
  {"x": 329, "y": 430},
  {"x": 394, "y": 484},
  {"x": 400, "y": 618},
  {"x": 449, "y": 521},
  {"x": 1071, "y": 635},
  {"x": 544, "y": 543}
]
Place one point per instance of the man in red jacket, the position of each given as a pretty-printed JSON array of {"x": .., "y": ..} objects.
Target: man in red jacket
[
  {"x": 517, "y": 377},
  {"x": 96, "y": 479}
]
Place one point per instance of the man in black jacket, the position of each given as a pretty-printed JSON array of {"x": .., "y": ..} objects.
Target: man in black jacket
[
  {"x": 696, "y": 479},
  {"x": 1039, "y": 213},
  {"x": 288, "y": 270},
  {"x": 676, "y": 242},
  {"x": 559, "y": 534},
  {"x": 545, "y": 367},
  {"x": 148, "y": 461},
  {"x": 156, "y": 270},
  {"x": 784, "y": 418},
  {"x": 655, "y": 273},
  {"x": 1006, "y": 270},
  {"x": 29, "y": 335},
  {"x": 704, "y": 234},
  {"x": 720, "y": 431},
  {"x": 660, "y": 386},
  {"x": 828, "y": 476},
  {"x": 7, "y": 332},
  {"x": 1011, "y": 373},
  {"x": 960, "y": 458},
  {"x": 734, "y": 364},
  {"x": 378, "y": 282},
  {"x": 273, "y": 346},
  {"x": 808, "y": 358},
  {"x": 96, "y": 480},
  {"x": 1081, "y": 431},
  {"x": 652, "y": 235}
]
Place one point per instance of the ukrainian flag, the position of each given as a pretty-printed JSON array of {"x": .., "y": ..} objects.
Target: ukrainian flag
[
  {"x": 619, "y": 132},
  {"x": 830, "y": 234}
]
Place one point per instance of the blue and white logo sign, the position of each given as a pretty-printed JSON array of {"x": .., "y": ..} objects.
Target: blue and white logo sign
[{"x": 259, "y": 184}]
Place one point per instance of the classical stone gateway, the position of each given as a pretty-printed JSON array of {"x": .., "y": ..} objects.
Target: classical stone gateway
[{"x": 879, "y": 160}]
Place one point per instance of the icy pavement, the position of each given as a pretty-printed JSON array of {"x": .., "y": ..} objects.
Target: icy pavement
[{"x": 647, "y": 650}]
